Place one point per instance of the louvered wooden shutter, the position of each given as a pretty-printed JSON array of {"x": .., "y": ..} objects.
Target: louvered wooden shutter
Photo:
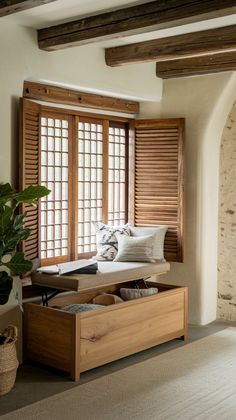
[
  {"x": 29, "y": 171},
  {"x": 158, "y": 180}
]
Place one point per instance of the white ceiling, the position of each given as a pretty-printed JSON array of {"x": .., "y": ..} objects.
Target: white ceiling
[{"x": 66, "y": 10}]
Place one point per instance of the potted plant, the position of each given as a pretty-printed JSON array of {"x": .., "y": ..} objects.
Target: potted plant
[{"x": 12, "y": 262}]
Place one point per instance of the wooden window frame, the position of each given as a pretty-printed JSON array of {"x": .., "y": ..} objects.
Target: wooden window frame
[
  {"x": 30, "y": 138},
  {"x": 74, "y": 117},
  {"x": 59, "y": 115}
]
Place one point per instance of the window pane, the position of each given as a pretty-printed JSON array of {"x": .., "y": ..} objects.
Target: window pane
[
  {"x": 90, "y": 148},
  {"x": 54, "y": 175},
  {"x": 116, "y": 176}
]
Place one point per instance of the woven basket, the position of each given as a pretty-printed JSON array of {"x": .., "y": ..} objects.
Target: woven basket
[{"x": 8, "y": 360}]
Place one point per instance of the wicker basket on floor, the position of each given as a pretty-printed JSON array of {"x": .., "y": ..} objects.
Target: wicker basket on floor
[{"x": 8, "y": 359}]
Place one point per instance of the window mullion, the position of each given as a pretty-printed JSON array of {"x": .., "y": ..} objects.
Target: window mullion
[
  {"x": 130, "y": 172},
  {"x": 73, "y": 195},
  {"x": 105, "y": 171}
]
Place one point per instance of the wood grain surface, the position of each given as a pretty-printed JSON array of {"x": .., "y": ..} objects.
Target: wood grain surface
[
  {"x": 174, "y": 47},
  {"x": 132, "y": 20},
  {"x": 194, "y": 66}
]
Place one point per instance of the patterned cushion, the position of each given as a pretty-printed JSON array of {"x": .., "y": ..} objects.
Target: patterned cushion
[
  {"x": 81, "y": 307},
  {"x": 107, "y": 242},
  {"x": 130, "y": 294}
]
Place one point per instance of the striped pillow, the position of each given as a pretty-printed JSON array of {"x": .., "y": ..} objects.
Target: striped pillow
[
  {"x": 138, "y": 248},
  {"x": 159, "y": 232}
]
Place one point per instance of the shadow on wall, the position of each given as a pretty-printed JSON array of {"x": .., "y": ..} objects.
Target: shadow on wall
[{"x": 15, "y": 141}]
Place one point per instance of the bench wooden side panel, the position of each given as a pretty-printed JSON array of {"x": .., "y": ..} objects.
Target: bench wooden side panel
[
  {"x": 131, "y": 327},
  {"x": 49, "y": 336},
  {"x": 78, "y": 342}
]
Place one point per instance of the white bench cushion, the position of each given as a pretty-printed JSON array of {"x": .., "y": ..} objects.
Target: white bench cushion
[{"x": 109, "y": 272}]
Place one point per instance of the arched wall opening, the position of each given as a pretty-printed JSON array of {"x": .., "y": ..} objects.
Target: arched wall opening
[
  {"x": 226, "y": 308},
  {"x": 209, "y": 200},
  {"x": 205, "y": 103}
]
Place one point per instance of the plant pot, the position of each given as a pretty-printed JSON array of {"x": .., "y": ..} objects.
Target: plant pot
[{"x": 8, "y": 359}]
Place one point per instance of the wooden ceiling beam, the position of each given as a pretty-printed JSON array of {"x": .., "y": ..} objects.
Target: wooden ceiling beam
[
  {"x": 7, "y": 7},
  {"x": 194, "y": 66},
  {"x": 174, "y": 47},
  {"x": 60, "y": 95},
  {"x": 132, "y": 20}
]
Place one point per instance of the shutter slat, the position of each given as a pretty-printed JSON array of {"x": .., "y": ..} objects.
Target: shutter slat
[
  {"x": 164, "y": 159},
  {"x": 29, "y": 171},
  {"x": 158, "y": 185},
  {"x": 166, "y": 192}
]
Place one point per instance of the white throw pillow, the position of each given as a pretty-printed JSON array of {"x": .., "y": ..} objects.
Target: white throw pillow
[
  {"x": 107, "y": 240},
  {"x": 159, "y": 232},
  {"x": 136, "y": 248}
]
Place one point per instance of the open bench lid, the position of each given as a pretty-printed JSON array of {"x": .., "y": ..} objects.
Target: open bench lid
[{"x": 109, "y": 273}]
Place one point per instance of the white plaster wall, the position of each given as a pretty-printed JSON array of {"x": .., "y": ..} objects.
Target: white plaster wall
[
  {"x": 227, "y": 222},
  {"x": 205, "y": 103},
  {"x": 84, "y": 67},
  {"x": 20, "y": 59}
]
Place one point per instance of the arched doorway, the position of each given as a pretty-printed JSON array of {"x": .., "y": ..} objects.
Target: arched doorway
[{"x": 226, "y": 306}]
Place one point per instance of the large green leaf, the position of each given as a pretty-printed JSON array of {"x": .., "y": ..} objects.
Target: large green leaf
[
  {"x": 5, "y": 287},
  {"x": 28, "y": 195},
  {"x": 11, "y": 240},
  {"x": 6, "y": 193},
  {"x": 5, "y": 217},
  {"x": 18, "y": 236},
  {"x": 19, "y": 221},
  {"x": 18, "y": 264},
  {"x": 12, "y": 231},
  {"x": 6, "y": 189},
  {"x": 31, "y": 194}
]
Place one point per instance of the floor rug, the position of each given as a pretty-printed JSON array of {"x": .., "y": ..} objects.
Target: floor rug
[{"x": 196, "y": 381}]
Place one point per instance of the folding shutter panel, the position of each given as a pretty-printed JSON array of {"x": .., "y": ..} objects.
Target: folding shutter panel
[
  {"x": 29, "y": 171},
  {"x": 158, "y": 183}
]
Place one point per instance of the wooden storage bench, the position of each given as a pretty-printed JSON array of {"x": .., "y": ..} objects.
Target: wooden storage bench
[{"x": 79, "y": 342}]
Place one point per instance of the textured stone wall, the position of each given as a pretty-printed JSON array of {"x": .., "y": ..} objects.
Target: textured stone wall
[{"x": 227, "y": 222}]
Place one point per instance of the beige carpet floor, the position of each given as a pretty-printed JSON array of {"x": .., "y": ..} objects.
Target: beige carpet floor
[{"x": 197, "y": 381}]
